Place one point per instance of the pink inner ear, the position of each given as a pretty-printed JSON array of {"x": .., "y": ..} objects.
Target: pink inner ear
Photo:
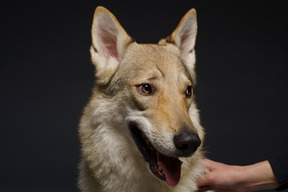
[
  {"x": 107, "y": 33},
  {"x": 184, "y": 47},
  {"x": 187, "y": 36},
  {"x": 109, "y": 45}
]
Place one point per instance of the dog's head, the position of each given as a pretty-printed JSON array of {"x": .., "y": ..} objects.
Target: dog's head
[{"x": 153, "y": 83}]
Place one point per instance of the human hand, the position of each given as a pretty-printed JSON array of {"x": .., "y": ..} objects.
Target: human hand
[
  {"x": 220, "y": 177},
  {"x": 229, "y": 178}
]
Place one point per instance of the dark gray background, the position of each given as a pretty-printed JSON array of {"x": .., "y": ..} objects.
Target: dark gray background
[{"x": 46, "y": 78}]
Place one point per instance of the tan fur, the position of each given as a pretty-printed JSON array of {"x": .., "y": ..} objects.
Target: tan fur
[{"x": 111, "y": 160}]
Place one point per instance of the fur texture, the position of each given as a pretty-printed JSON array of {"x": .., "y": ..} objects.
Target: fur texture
[{"x": 148, "y": 85}]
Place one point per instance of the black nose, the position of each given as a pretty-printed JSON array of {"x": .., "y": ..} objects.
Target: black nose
[{"x": 186, "y": 143}]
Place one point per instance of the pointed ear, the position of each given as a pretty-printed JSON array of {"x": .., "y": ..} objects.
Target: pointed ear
[
  {"x": 184, "y": 37},
  {"x": 109, "y": 42}
]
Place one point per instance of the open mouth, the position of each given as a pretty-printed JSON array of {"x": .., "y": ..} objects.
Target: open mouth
[{"x": 163, "y": 167}]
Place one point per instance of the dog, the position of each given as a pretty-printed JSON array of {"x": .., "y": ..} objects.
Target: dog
[{"x": 140, "y": 130}]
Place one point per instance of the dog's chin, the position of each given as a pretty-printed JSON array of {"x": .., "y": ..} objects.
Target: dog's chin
[{"x": 163, "y": 167}]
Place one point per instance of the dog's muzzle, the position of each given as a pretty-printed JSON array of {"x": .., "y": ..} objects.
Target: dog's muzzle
[{"x": 164, "y": 167}]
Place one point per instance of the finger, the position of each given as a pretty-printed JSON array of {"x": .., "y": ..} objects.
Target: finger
[
  {"x": 204, "y": 188},
  {"x": 208, "y": 164},
  {"x": 203, "y": 181},
  {"x": 211, "y": 165}
]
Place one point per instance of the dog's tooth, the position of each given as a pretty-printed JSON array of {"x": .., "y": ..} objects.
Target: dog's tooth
[{"x": 160, "y": 168}]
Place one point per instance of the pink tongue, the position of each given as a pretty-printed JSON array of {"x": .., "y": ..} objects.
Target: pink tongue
[{"x": 171, "y": 168}]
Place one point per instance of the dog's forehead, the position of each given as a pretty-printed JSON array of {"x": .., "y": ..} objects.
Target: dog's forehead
[{"x": 148, "y": 56}]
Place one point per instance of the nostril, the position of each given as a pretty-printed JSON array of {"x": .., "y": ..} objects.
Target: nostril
[
  {"x": 182, "y": 146},
  {"x": 186, "y": 143}
]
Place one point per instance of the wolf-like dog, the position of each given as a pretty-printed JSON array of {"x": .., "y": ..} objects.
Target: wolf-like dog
[{"x": 140, "y": 130}]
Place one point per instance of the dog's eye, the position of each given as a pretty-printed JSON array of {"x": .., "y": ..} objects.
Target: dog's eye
[
  {"x": 145, "y": 89},
  {"x": 189, "y": 91}
]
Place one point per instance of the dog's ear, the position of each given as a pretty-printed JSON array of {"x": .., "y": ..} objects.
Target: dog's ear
[
  {"x": 109, "y": 42},
  {"x": 184, "y": 37}
]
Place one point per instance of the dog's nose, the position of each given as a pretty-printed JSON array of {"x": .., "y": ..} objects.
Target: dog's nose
[{"x": 186, "y": 143}]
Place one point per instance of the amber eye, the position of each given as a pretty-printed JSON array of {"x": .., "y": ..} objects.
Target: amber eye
[
  {"x": 189, "y": 91},
  {"x": 145, "y": 89}
]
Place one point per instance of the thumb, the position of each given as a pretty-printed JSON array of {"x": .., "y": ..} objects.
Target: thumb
[
  {"x": 204, "y": 188},
  {"x": 203, "y": 181}
]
